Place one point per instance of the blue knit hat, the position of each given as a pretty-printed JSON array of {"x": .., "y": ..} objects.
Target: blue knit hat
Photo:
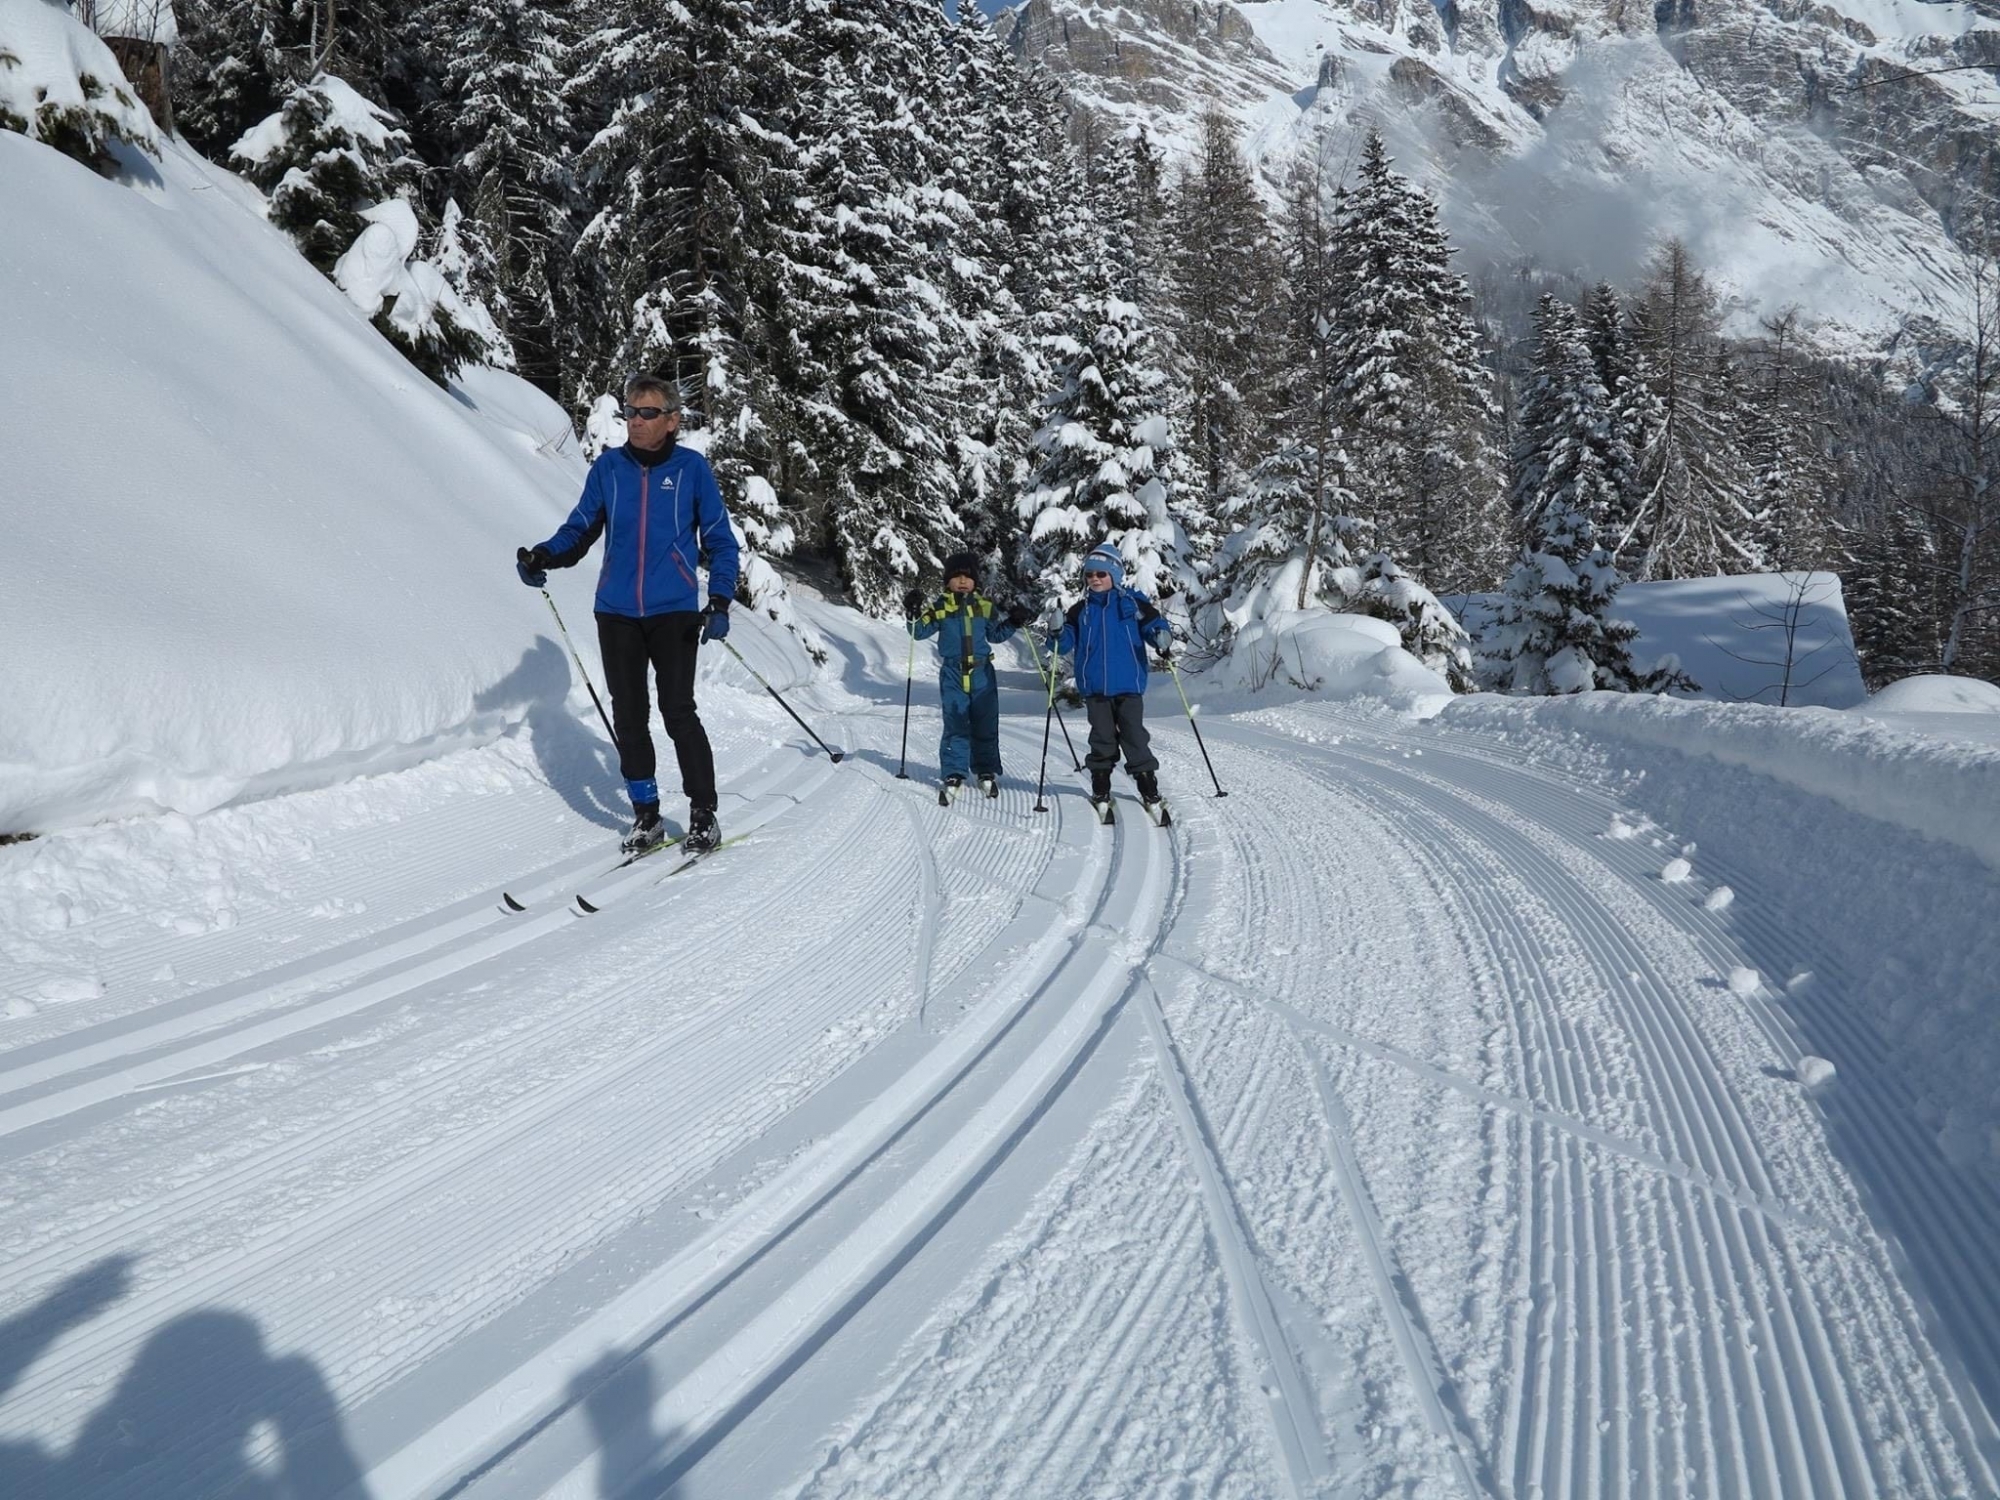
[{"x": 1104, "y": 558}]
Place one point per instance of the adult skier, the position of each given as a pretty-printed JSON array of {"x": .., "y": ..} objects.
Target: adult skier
[
  {"x": 967, "y": 629},
  {"x": 1105, "y": 635},
  {"x": 658, "y": 508}
]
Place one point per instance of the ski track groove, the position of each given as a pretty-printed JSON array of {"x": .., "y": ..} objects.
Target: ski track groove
[
  {"x": 433, "y": 876},
  {"x": 299, "y": 1003},
  {"x": 1708, "y": 1124},
  {"x": 1295, "y": 1427},
  {"x": 1275, "y": 866},
  {"x": 1787, "y": 1435},
  {"x": 393, "y": 1246},
  {"x": 1899, "y": 1154},
  {"x": 832, "y": 1307}
]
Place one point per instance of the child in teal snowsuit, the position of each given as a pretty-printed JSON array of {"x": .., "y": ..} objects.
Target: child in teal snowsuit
[{"x": 967, "y": 627}]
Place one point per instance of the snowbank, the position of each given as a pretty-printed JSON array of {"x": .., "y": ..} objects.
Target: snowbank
[
  {"x": 1945, "y": 790},
  {"x": 252, "y": 548},
  {"x": 1936, "y": 693},
  {"x": 1730, "y": 635},
  {"x": 1319, "y": 653}
]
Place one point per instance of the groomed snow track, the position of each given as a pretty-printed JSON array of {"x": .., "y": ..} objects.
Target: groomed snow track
[{"x": 1384, "y": 1128}]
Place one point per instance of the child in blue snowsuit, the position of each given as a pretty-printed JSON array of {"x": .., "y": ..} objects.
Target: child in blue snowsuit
[
  {"x": 967, "y": 628},
  {"x": 1105, "y": 635}
]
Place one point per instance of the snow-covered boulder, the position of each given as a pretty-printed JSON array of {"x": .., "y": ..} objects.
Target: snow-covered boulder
[{"x": 1291, "y": 652}]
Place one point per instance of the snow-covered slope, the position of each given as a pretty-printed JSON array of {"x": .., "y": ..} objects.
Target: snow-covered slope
[
  {"x": 251, "y": 547},
  {"x": 1580, "y": 131}
]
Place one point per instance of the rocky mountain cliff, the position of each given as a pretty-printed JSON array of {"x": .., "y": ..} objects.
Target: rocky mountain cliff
[{"x": 1782, "y": 139}]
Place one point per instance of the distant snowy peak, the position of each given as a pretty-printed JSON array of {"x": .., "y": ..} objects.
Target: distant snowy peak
[{"x": 1783, "y": 139}]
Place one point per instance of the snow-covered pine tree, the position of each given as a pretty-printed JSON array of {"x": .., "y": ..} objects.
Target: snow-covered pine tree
[
  {"x": 1691, "y": 512},
  {"x": 1607, "y": 333},
  {"x": 889, "y": 502},
  {"x": 1418, "y": 404},
  {"x": 1565, "y": 448},
  {"x": 1784, "y": 452},
  {"x": 1290, "y": 528},
  {"x": 1891, "y": 582},
  {"x": 1221, "y": 282},
  {"x": 1099, "y": 454},
  {"x": 501, "y": 120},
  {"x": 1555, "y": 632},
  {"x": 327, "y": 154}
]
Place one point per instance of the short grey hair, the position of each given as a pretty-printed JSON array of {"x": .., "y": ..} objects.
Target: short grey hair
[{"x": 653, "y": 385}]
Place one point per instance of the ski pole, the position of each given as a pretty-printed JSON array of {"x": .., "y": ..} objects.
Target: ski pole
[
  {"x": 581, "y": 669},
  {"x": 909, "y": 678},
  {"x": 833, "y": 754},
  {"x": 1075, "y": 763},
  {"x": 1189, "y": 708},
  {"x": 1042, "y": 776}
]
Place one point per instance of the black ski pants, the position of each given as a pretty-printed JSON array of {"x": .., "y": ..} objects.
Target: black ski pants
[
  {"x": 1115, "y": 724},
  {"x": 668, "y": 644}
]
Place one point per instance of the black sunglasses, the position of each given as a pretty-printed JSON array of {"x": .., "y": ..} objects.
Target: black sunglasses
[{"x": 647, "y": 413}]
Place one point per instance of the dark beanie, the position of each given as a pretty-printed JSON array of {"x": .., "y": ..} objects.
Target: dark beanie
[{"x": 961, "y": 562}]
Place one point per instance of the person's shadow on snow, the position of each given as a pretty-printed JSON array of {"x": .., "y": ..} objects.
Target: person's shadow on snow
[
  {"x": 617, "y": 1395},
  {"x": 203, "y": 1410},
  {"x": 576, "y": 760}
]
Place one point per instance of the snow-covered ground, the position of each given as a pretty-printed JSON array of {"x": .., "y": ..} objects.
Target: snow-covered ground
[{"x": 1445, "y": 1112}]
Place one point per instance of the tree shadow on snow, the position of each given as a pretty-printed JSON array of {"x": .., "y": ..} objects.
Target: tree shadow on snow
[
  {"x": 204, "y": 1409},
  {"x": 573, "y": 755}
]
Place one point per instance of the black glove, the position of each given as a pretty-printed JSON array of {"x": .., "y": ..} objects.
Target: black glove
[
  {"x": 715, "y": 619},
  {"x": 913, "y": 604},
  {"x": 1166, "y": 654},
  {"x": 532, "y": 565},
  {"x": 1019, "y": 614}
]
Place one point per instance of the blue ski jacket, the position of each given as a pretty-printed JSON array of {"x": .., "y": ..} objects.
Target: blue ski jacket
[
  {"x": 656, "y": 520},
  {"x": 967, "y": 630},
  {"x": 1105, "y": 636}
]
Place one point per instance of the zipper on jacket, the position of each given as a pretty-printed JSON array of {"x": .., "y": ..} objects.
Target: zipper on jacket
[{"x": 645, "y": 500}]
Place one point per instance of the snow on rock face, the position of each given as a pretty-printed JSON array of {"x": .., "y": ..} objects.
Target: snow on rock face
[
  {"x": 1580, "y": 133},
  {"x": 287, "y": 559}
]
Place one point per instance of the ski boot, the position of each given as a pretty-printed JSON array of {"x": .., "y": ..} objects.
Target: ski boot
[
  {"x": 648, "y": 832},
  {"x": 989, "y": 783},
  {"x": 1149, "y": 794},
  {"x": 949, "y": 790},
  {"x": 1100, "y": 795},
  {"x": 704, "y": 833}
]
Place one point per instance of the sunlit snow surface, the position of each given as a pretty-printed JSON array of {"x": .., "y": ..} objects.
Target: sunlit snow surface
[{"x": 1390, "y": 1126}]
